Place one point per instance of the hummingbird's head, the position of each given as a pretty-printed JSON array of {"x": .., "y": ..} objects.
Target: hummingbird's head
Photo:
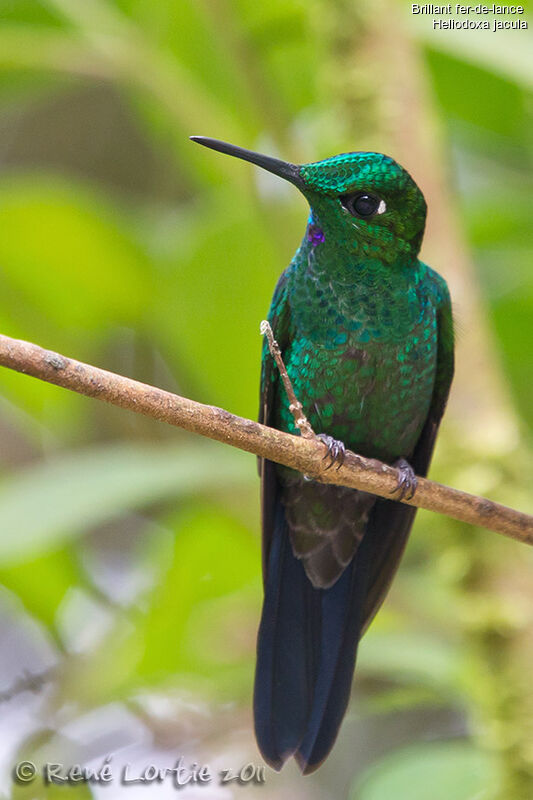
[{"x": 365, "y": 202}]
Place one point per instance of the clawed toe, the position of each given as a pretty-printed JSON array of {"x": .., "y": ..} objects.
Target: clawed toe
[
  {"x": 407, "y": 480},
  {"x": 335, "y": 452}
]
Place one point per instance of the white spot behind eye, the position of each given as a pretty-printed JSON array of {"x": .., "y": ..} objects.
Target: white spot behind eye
[{"x": 382, "y": 207}]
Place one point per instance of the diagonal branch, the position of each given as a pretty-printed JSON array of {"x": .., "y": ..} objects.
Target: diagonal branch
[{"x": 304, "y": 455}]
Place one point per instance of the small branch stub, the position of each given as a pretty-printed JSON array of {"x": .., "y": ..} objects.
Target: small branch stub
[
  {"x": 334, "y": 449},
  {"x": 295, "y": 407}
]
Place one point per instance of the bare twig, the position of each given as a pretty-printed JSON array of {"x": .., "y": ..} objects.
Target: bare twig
[
  {"x": 303, "y": 455},
  {"x": 295, "y": 407}
]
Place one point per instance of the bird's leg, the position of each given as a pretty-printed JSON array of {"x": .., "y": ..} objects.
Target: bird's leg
[
  {"x": 407, "y": 480},
  {"x": 335, "y": 450}
]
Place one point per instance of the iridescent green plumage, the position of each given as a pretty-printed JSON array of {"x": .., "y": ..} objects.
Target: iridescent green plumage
[
  {"x": 357, "y": 316},
  {"x": 366, "y": 333}
]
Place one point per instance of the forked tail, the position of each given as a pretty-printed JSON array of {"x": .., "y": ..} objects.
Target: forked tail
[{"x": 306, "y": 652}]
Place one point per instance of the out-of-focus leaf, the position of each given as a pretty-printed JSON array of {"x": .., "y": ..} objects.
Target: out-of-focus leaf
[
  {"x": 41, "y": 583},
  {"x": 200, "y": 619},
  {"x": 45, "y": 50},
  {"x": 214, "y": 292},
  {"x": 407, "y": 656},
  {"x": 404, "y": 699},
  {"x": 506, "y": 111},
  {"x": 57, "y": 500},
  {"x": 71, "y": 273},
  {"x": 511, "y": 227},
  {"x": 508, "y": 55},
  {"x": 443, "y": 771},
  {"x": 93, "y": 270},
  {"x": 513, "y": 315},
  {"x": 27, "y": 12}
]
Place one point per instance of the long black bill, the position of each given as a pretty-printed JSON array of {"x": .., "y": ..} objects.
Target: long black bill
[{"x": 291, "y": 172}]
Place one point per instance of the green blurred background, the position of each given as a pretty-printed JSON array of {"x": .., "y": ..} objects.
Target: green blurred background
[{"x": 130, "y": 584}]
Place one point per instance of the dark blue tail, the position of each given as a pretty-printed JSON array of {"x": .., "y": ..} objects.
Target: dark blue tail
[{"x": 306, "y": 652}]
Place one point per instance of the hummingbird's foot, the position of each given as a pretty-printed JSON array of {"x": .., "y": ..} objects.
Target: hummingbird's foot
[
  {"x": 407, "y": 480},
  {"x": 335, "y": 452}
]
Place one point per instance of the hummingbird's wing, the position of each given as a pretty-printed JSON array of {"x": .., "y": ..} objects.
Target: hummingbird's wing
[
  {"x": 290, "y": 620},
  {"x": 279, "y": 319},
  {"x": 393, "y": 519}
]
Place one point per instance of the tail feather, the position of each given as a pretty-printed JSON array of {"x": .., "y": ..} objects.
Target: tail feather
[
  {"x": 306, "y": 651},
  {"x": 341, "y": 617},
  {"x": 308, "y": 637},
  {"x": 283, "y": 679}
]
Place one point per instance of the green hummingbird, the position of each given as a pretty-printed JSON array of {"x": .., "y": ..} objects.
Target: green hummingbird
[{"x": 365, "y": 329}]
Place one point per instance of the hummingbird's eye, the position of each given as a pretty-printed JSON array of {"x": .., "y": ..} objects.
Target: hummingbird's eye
[{"x": 363, "y": 205}]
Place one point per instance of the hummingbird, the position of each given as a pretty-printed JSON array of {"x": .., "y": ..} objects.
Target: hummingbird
[{"x": 366, "y": 333}]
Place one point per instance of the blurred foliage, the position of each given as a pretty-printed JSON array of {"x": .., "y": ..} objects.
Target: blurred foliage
[
  {"x": 129, "y": 554},
  {"x": 452, "y": 769}
]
